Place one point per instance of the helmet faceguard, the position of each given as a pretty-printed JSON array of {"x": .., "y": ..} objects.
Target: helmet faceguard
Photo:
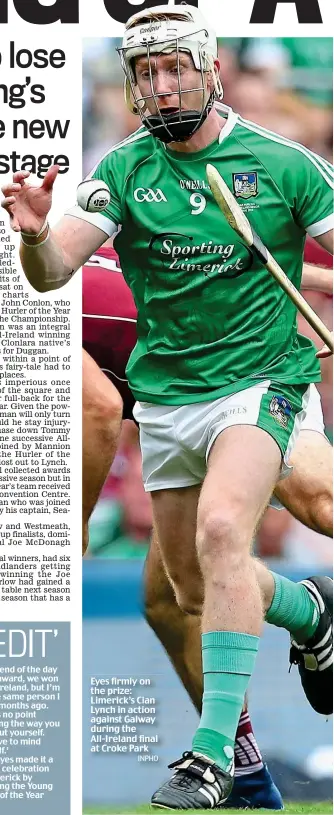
[{"x": 164, "y": 30}]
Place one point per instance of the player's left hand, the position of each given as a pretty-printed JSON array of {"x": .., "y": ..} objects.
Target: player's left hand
[{"x": 324, "y": 351}]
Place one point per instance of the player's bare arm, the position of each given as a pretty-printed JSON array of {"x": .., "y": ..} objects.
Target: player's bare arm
[
  {"x": 317, "y": 278},
  {"x": 326, "y": 240},
  {"x": 49, "y": 257}
]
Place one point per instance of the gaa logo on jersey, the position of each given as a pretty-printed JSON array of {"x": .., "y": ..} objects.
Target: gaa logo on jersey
[
  {"x": 280, "y": 410},
  {"x": 245, "y": 185},
  {"x": 150, "y": 196}
]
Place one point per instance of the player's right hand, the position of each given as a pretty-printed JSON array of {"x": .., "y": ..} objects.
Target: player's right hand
[
  {"x": 26, "y": 205},
  {"x": 325, "y": 351}
]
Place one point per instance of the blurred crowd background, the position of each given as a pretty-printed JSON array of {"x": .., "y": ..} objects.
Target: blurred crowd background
[{"x": 284, "y": 84}]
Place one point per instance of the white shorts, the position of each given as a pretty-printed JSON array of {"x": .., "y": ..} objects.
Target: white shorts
[
  {"x": 314, "y": 419},
  {"x": 176, "y": 440}
]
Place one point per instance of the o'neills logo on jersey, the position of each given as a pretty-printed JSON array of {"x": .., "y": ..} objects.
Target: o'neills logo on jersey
[
  {"x": 142, "y": 194},
  {"x": 193, "y": 184}
]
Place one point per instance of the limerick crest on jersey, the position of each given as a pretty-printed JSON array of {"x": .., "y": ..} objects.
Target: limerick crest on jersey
[
  {"x": 245, "y": 185},
  {"x": 280, "y": 409}
]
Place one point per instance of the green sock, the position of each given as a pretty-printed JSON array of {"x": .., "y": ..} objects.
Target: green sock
[
  {"x": 228, "y": 662},
  {"x": 292, "y": 608}
]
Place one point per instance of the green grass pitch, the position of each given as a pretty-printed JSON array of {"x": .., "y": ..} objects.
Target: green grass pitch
[{"x": 302, "y": 808}]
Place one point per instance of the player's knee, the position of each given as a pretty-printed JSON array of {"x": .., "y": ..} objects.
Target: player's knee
[
  {"x": 158, "y": 608},
  {"x": 321, "y": 511},
  {"x": 111, "y": 413},
  {"x": 155, "y": 604},
  {"x": 221, "y": 538},
  {"x": 187, "y": 590},
  {"x": 218, "y": 529},
  {"x": 104, "y": 410},
  {"x": 110, "y": 407},
  {"x": 189, "y": 602}
]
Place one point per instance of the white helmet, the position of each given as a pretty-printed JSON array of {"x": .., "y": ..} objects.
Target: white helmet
[{"x": 166, "y": 29}]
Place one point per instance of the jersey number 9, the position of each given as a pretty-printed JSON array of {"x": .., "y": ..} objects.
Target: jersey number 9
[{"x": 198, "y": 202}]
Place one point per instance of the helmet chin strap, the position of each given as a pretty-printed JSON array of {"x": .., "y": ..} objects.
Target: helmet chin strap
[{"x": 178, "y": 126}]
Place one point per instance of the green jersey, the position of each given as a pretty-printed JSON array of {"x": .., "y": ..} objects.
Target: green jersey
[{"x": 211, "y": 319}]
